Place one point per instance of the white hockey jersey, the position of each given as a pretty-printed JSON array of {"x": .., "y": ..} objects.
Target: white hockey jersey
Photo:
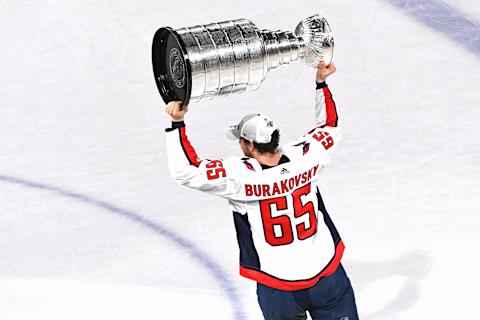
[{"x": 286, "y": 237}]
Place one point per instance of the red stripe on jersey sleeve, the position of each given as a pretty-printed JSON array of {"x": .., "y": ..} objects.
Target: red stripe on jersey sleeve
[
  {"x": 331, "y": 109},
  {"x": 276, "y": 283},
  {"x": 188, "y": 149}
]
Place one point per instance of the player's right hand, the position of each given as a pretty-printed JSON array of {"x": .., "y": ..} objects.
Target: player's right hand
[
  {"x": 174, "y": 111},
  {"x": 324, "y": 71}
]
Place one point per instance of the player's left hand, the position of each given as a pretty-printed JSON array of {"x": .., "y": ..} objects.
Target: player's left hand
[
  {"x": 174, "y": 111},
  {"x": 323, "y": 71}
]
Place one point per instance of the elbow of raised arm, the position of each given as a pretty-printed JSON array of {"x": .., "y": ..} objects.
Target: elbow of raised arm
[
  {"x": 184, "y": 175},
  {"x": 179, "y": 177}
]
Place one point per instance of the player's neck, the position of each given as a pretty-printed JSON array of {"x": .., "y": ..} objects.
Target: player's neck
[{"x": 269, "y": 159}]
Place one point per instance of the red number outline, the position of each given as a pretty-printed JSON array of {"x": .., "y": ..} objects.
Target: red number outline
[
  {"x": 215, "y": 170},
  {"x": 269, "y": 222},
  {"x": 284, "y": 221},
  {"x": 324, "y": 138},
  {"x": 301, "y": 209}
]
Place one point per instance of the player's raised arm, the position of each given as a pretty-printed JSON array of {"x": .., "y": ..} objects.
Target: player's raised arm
[
  {"x": 186, "y": 167},
  {"x": 325, "y": 135},
  {"x": 325, "y": 108}
]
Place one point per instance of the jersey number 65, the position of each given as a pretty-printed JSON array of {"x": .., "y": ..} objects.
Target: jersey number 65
[{"x": 284, "y": 222}]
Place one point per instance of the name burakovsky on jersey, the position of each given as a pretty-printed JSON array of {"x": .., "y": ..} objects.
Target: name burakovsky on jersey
[{"x": 279, "y": 187}]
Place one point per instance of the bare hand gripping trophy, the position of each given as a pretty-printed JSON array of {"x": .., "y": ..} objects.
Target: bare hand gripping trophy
[{"x": 202, "y": 62}]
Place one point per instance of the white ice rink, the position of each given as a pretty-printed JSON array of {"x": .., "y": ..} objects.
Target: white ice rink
[{"x": 93, "y": 227}]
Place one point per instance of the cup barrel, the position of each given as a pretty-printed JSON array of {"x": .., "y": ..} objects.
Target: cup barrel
[
  {"x": 225, "y": 57},
  {"x": 171, "y": 69}
]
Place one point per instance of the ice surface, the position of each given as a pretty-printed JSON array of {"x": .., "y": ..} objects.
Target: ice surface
[{"x": 105, "y": 232}]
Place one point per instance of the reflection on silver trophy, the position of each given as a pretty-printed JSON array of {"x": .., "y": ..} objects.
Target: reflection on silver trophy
[{"x": 202, "y": 62}]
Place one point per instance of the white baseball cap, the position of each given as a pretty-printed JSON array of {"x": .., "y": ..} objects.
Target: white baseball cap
[{"x": 254, "y": 127}]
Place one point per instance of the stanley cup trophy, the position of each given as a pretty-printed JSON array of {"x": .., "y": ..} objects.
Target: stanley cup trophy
[{"x": 203, "y": 62}]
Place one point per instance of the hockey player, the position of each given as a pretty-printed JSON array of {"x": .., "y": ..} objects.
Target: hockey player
[{"x": 288, "y": 243}]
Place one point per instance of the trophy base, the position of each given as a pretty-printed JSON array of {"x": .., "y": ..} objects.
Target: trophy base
[{"x": 171, "y": 69}]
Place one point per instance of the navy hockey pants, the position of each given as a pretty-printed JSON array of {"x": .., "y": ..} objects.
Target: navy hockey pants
[{"x": 331, "y": 298}]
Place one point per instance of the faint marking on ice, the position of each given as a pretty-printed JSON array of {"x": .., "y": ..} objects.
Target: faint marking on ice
[
  {"x": 203, "y": 258},
  {"x": 447, "y": 20},
  {"x": 406, "y": 272}
]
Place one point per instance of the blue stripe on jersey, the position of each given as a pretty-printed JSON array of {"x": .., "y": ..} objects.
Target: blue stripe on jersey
[
  {"x": 248, "y": 253},
  {"x": 327, "y": 219}
]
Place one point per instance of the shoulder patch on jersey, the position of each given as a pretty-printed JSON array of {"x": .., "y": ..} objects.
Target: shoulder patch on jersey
[
  {"x": 305, "y": 144},
  {"x": 306, "y": 147},
  {"x": 248, "y": 164}
]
